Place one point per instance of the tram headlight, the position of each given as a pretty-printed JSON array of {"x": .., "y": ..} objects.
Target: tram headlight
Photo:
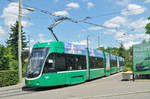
[{"x": 37, "y": 83}]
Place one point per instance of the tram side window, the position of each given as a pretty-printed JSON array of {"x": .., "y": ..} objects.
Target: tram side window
[
  {"x": 96, "y": 62},
  {"x": 121, "y": 63},
  {"x": 96, "y": 65},
  {"x": 92, "y": 62},
  {"x": 75, "y": 62},
  {"x": 54, "y": 62},
  {"x": 100, "y": 62},
  {"x": 81, "y": 62},
  {"x": 114, "y": 63},
  {"x": 70, "y": 62},
  {"x": 49, "y": 64},
  {"x": 60, "y": 62}
]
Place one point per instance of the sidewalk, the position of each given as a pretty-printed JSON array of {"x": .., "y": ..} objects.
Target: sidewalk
[{"x": 19, "y": 85}]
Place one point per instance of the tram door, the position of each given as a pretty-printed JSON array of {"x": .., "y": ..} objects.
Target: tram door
[
  {"x": 60, "y": 67},
  {"x": 54, "y": 69}
]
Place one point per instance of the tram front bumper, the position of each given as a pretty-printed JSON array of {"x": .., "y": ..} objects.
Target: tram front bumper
[{"x": 32, "y": 83}]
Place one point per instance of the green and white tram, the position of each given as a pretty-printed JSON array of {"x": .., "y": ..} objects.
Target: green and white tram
[{"x": 58, "y": 63}]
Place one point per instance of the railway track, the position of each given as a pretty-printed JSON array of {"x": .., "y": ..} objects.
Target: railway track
[
  {"x": 16, "y": 91},
  {"x": 24, "y": 90}
]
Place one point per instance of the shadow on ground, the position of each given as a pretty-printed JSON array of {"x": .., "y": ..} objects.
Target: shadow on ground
[{"x": 36, "y": 89}]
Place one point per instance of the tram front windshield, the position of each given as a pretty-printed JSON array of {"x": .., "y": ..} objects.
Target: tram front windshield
[{"x": 36, "y": 61}]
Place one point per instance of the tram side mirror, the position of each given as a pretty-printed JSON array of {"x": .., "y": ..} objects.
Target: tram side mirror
[{"x": 50, "y": 61}]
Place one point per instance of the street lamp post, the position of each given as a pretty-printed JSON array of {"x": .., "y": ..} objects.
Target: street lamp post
[
  {"x": 87, "y": 59},
  {"x": 98, "y": 40},
  {"x": 19, "y": 38},
  {"x": 19, "y": 41}
]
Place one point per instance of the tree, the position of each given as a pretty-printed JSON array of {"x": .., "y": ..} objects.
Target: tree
[
  {"x": 113, "y": 50},
  {"x": 143, "y": 42},
  {"x": 13, "y": 39},
  {"x": 5, "y": 57},
  {"x": 101, "y": 48},
  {"x": 3, "y": 60},
  {"x": 128, "y": 59},
  {"x": 121, "y": 50},
  {"x": 12, "y": 43},
  {"x": 147, "y": 27}
]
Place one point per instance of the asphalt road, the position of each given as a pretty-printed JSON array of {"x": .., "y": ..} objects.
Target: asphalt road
[{"x": 104, "y": 88}]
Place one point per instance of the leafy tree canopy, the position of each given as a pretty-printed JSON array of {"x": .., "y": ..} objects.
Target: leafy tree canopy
[
  {"x": 13, "y": 39},
  {"x": 147, "y": 27},
  {"x": 5, "y": 57}
]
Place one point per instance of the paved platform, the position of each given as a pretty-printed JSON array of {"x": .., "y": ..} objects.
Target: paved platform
[{"x": 111, "y": 87}]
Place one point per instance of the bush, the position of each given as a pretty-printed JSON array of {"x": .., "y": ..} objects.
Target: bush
[
  {"x": 8, "y": 77},
  {"x": 127, "y": 69},
  {"x": 13, "y": 64},
  {"x": 128, "y": 66}
]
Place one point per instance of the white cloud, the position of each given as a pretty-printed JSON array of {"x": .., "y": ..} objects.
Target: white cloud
[
  {"x": 41, "y": 39},
  {"x": 120, "y": 35},
  {"x": 133, "y": 9},
  {"x": 147, "y": 1},
  {"x": 141, "y": 36},
  {"x": 123, "y": 2},
  {"x": 127, "y": 45},
  {"x": 110, "y": 31},
  {"x": 124, "y": 36},
  {"x": 83, "y": 42},
  {"x": 90, "y": 4},
  {"x": 26, "y": 23},
  {"x": 139, "y": 24},
  {"x": 115, "y": 22},
  {"x": 94, "y": 28},
  {"x": 73, "y": 5},
  {"x": 10, "y": 14},
  {"x": 111, "y": 25},
  {"x": 61, "y": 13},
  {"x": 130, "y": 39},
  {"x": 120, "y": 2},
  {"x": 2, "y": 33}
]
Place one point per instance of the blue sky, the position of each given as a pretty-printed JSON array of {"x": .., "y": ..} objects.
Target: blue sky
[{"x": 124, "y": 21}]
